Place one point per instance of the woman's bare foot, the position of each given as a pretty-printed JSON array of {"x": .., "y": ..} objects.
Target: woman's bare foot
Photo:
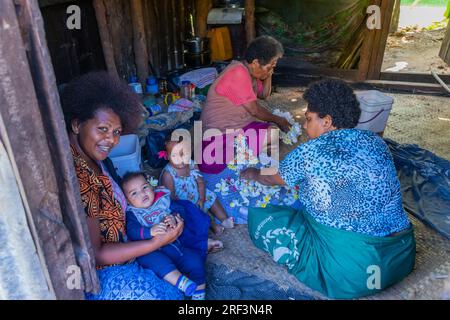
[
  {"x": 214, "y": 245},
  {"x": 228, "y": 223}
]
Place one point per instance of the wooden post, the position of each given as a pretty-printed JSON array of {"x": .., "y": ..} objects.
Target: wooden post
[
  {"x": 444, "y": 52},
  {"x": 395, "y": 17},
  {"x": 202, "y": 8},
  {"x": 139, "y": 41},
  {"x": 250, "y": 20},
  {"x": 105, "y": 37},
  {"x": 381, "y": 36},
  {"x": 38, "y": 148},
  {"x": 372, "y": 51},
  {"x": 366, "y": 49}
]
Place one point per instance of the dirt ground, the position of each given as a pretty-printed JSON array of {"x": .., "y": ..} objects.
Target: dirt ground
[
  {"x": 415, "y": 49},
  {"x": 415, "y": 118}
]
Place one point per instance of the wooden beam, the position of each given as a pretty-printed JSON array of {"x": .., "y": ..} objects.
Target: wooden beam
[
  {"x": 177, "y": 42},
  {"x": 250, "y": 20},
  {"x": 26, "y": 79},
  {"x": 105, "y": 37},
  {"x": 367, "y": 49},
  {"x": 444, "y": 52},
  {"x": 412, "y": 77},
  {"x": 202, "y": 8},
  {"x": 413, "y": 87},
  {"x": 395, "y": 17},
  {"x": 139, "y": 41},
  {"x": 347, "y": 74},
  {"x": 381, "y": 36}
]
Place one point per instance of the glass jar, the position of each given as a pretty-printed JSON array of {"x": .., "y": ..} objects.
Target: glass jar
[
  {"x": 162, "y": 86},
  {"x": 185, "y": 90}
]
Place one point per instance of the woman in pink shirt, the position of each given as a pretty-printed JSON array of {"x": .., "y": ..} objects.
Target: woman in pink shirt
[{"x": 232, "y": 103}]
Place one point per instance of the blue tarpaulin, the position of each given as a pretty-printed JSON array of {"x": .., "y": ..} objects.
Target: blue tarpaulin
[{"x": 425, "y": 182}]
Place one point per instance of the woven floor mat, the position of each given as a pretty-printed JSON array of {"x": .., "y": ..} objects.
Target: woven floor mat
[{"x": 429, "y": 280}]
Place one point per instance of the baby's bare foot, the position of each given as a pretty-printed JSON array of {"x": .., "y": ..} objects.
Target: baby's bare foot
[{"x": 228, "y": 223}]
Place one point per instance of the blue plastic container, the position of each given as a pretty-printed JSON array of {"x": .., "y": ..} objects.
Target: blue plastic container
[{"x": 151, "y": 85}]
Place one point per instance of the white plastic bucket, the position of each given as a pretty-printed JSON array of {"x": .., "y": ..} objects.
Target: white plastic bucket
[
  {"x": 375, "y": 108},
  {"x": 126, "y": 156}
]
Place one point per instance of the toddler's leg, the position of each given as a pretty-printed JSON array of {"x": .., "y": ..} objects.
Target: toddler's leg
[
  {"x": 161, "y": 262},
  {"x": 193, "y": 264},
  {"x": 199, "y": 294},
  {"x": 182, "y": 282},
  {"x": 219, "y": 212},
  {"x": 216, "y": 228}
]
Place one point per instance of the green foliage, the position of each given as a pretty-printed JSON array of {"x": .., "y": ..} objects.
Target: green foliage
[{"x": 430, "y": 3}]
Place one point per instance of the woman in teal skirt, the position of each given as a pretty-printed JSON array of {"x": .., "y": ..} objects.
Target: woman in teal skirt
[{"x": 352, "y": 237}]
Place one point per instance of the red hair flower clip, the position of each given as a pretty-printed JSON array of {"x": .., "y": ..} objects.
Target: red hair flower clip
[{"x": 162, "y": 154}]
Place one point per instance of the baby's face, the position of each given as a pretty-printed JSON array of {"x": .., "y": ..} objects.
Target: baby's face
[{"x": 139, "y": 192}]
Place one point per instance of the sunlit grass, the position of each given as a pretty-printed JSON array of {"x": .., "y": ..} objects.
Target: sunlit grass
[{"x": 431, "y": 3}]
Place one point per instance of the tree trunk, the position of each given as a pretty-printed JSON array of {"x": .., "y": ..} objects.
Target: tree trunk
[
  {"x": 139, "y": 41},
  {"x": 250, "y": 20},
  {"x": 105, "y": 37}
]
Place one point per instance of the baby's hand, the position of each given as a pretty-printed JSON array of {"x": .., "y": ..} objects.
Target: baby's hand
[
  {"x": 170, "y": 221},
  {"x": 157, "y": 229}
]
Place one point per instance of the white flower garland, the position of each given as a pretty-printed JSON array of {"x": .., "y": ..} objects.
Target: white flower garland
[
  {"x": 250, "y": 189},
  {"x": 290, "y": 137}
]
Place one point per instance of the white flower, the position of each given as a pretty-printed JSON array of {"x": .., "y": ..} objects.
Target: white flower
[
  {"x": 153, "y": 182},
  {"x": 260, "y": 204},
  {"x": 222, "y": 187},
  {"x": 235, "y": 203},
  {"x": 291, "y": 136}
]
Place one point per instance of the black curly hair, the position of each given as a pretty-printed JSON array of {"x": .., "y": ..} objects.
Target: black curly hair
[
  {"x": 130, "y": 175},
  {"x": 264, "y": 49},
  {"x": 82, "y": 97},
  {"x": 336, "y": 99}
]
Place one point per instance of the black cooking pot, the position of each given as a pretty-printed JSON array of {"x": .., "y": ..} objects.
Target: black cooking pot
[
  {"x": 197, "y": 59},
  {"x": 196, "y": 45}
]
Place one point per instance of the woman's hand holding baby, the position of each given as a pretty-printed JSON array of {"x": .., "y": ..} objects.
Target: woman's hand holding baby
[
  {"x": 170, "y": 221},
  {"x": 170, "y": 235},
  {"x": 157, "y": 229}
]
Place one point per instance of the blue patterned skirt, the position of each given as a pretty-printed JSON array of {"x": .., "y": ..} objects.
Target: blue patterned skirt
[{"x": 132, "y": 282}]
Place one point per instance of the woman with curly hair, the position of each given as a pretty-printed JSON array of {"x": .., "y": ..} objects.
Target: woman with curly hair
[
  {"x": 98, "y": 109},
  {"x": 352, "y": 237}
]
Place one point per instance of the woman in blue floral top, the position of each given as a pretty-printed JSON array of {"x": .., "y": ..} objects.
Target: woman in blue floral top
[{"x": 352, "y": 225}]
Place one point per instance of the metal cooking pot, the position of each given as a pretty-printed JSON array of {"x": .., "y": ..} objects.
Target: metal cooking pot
[
  {"x": 197, "y": 60},
  {"x": 196, "y": 45}
]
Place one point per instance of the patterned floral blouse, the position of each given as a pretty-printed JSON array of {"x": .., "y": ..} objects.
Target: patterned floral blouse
[
  {"x": 347, "y": 180},
  {"x": 97, "y": 196}
]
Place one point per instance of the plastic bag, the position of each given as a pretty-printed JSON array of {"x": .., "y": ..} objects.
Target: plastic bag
[{"x": 154, "y": 143}]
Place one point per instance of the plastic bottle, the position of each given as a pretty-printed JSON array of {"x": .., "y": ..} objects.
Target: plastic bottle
[
  {"x": 151, "y": 85},
  {"x": 192, "y": 91},
  {"x": 154, "y": 109},
  {"x": 135, "y": 85}
]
